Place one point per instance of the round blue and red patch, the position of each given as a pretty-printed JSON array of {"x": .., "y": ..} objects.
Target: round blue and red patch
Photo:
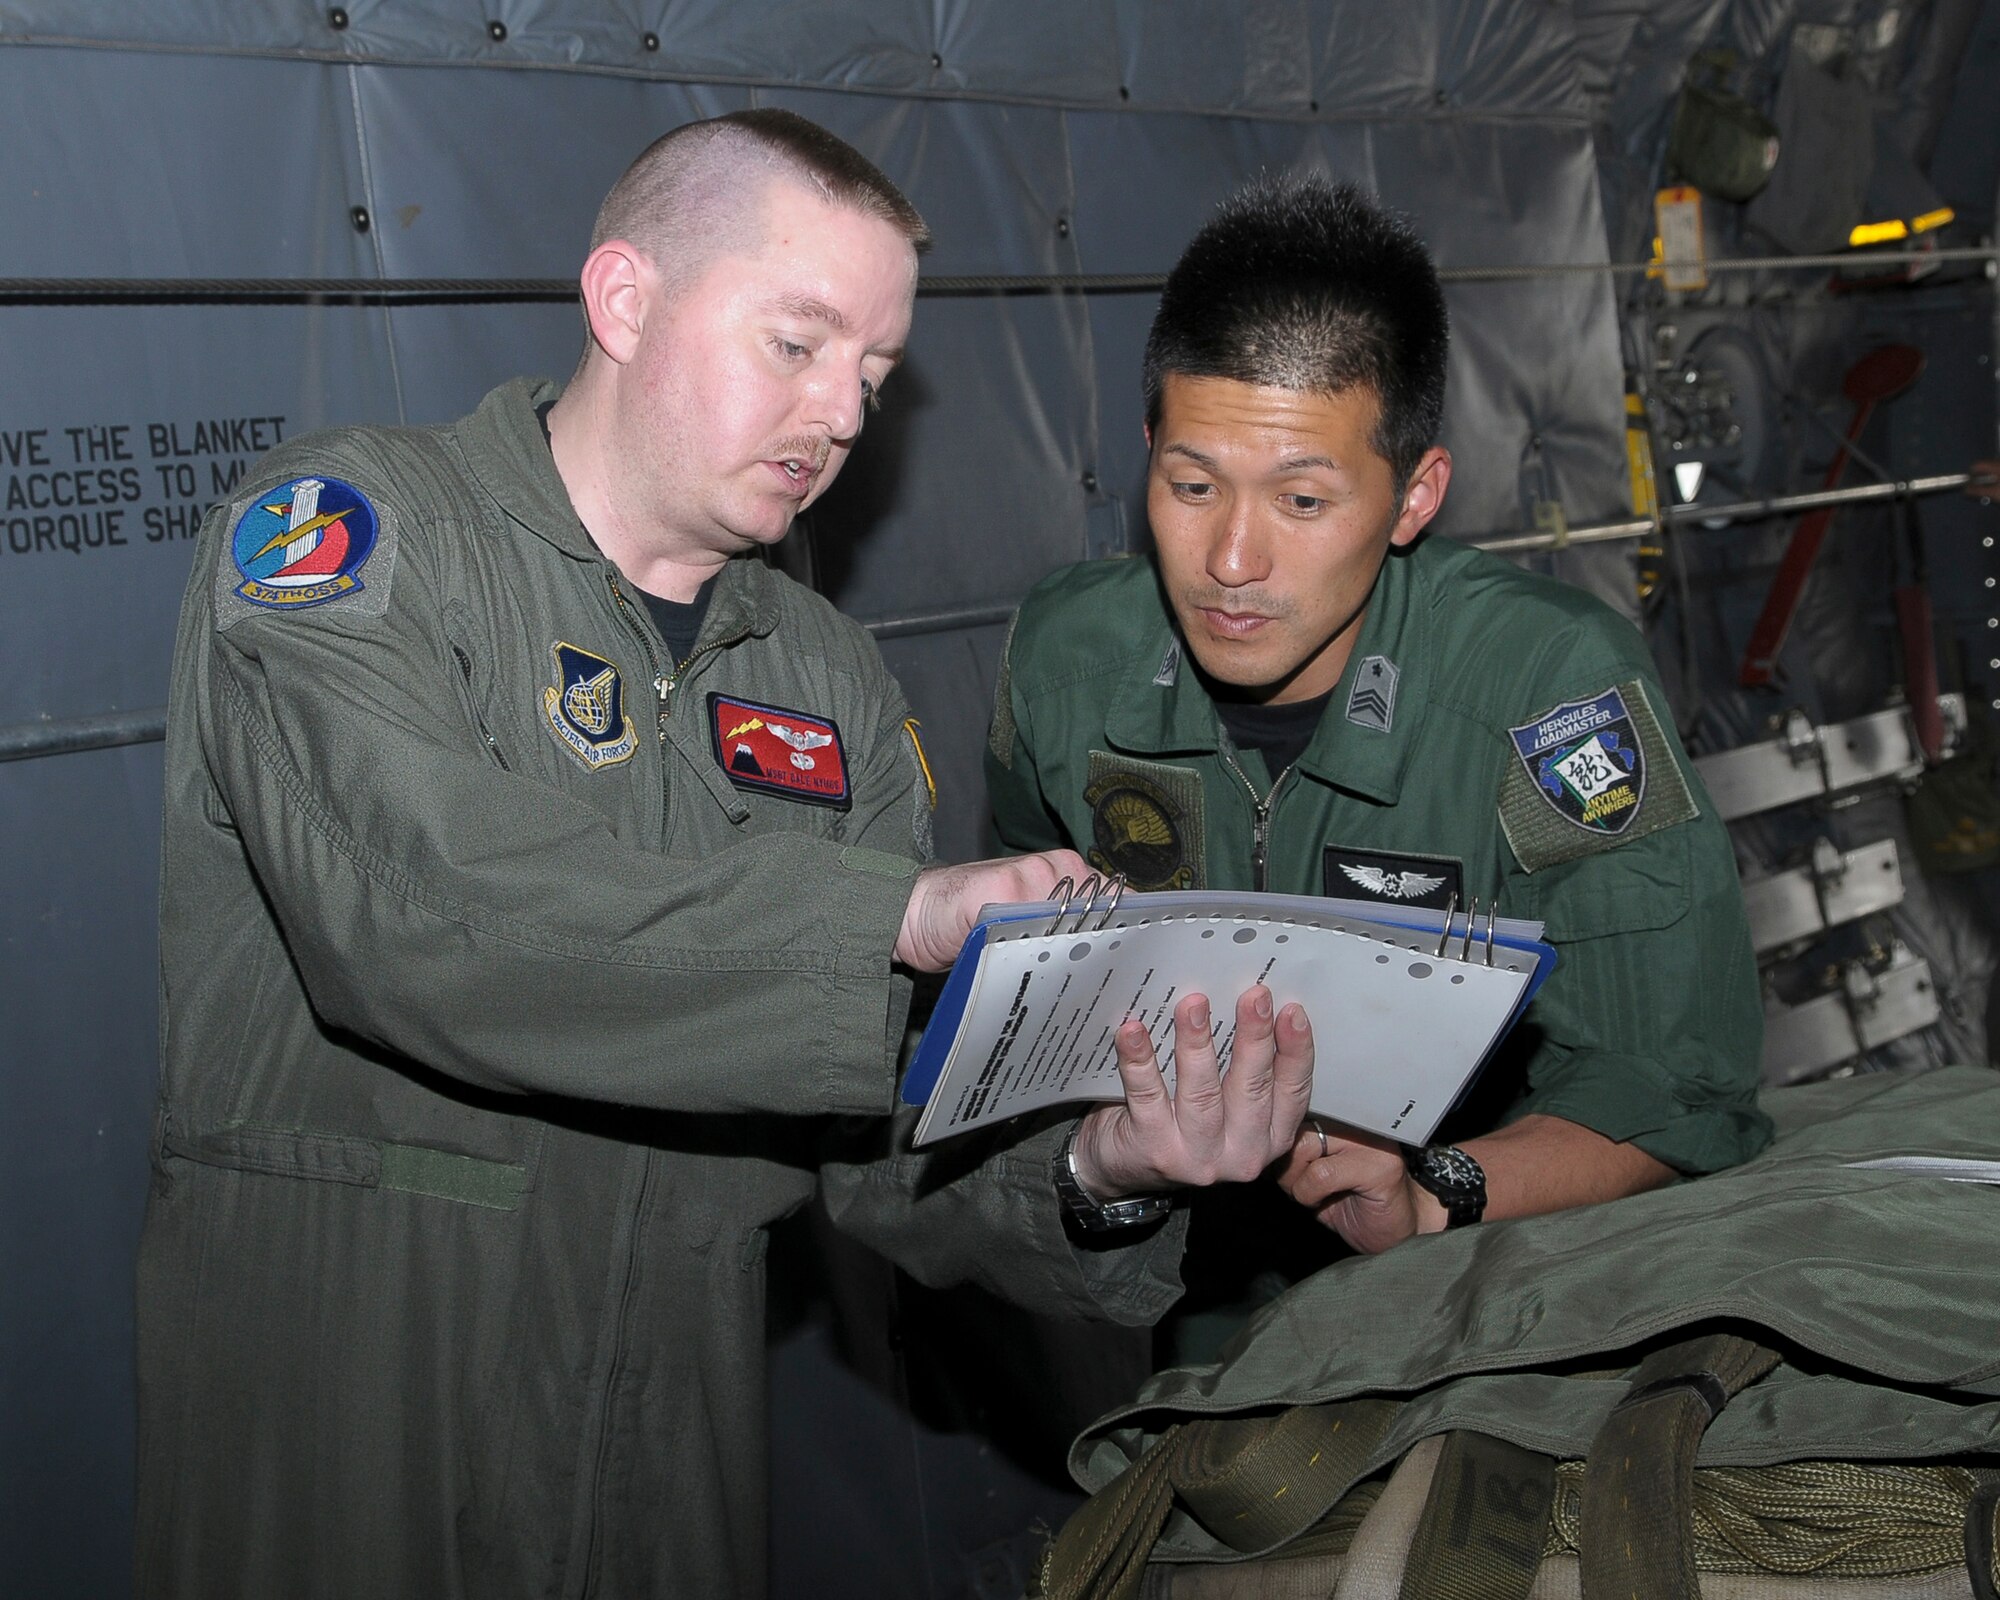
[{"x": 303, "y": 544}]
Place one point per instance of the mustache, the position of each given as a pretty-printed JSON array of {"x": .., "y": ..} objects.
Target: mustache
[
  {"x": 813, "y": 451},
  {"x": 1208, "y": 597}
]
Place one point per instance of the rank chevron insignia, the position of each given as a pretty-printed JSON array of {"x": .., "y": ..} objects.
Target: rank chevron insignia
[{"x": 1371, "y": 703}]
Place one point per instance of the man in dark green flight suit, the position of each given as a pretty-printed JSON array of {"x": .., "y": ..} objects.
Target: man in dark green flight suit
[{"x": 1300, "y": 694}]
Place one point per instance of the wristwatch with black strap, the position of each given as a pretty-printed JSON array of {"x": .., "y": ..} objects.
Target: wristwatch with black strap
[
  {"x": 1455, "y": 1178},
  {"x": 1094, "y": 1215}
]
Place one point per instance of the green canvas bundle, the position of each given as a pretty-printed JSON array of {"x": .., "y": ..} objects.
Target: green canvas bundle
[{"x": 1783, "y": 1379}]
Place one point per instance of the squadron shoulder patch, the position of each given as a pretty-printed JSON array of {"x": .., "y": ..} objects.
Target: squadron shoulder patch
[
  {"x": 1588, "y": 775},
  {"x": 585, "y": 709},
  {"x": 781, "y": 752},
  {"x": 1145, "y": 821},
  {"x": 303, "y": 544}
]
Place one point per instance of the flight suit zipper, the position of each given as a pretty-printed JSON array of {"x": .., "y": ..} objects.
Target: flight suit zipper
[
  {"x": 478, "y": 718},
  {"x": 1260, "y": 827},
  {"x": 614, "y": 1372},
  {"x": 663, "y": 682},
  {"x": 644, "y": 635}
]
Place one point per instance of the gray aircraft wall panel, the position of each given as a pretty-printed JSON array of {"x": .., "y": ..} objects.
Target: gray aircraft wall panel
[
  {"x": 1283, "y": 57},
  {"x": 78, "y": 1071},
  {"x": 212, "y": 167},
  {"x": 949, "y": 680},
  {"x": 139, "y": 416},
  {"x": 499, "y": 175}
]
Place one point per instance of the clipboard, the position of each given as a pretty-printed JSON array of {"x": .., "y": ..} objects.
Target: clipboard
[{"x": 1406, "y": 1003}]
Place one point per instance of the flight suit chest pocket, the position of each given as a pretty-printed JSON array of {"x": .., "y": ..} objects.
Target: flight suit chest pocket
[{"x": 1147, "y": 822}]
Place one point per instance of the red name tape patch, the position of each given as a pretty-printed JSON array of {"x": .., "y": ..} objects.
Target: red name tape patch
[{"x": 780, "y": 752}]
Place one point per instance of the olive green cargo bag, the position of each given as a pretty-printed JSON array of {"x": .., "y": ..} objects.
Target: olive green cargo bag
[{"x": 1779, "y": 1381}]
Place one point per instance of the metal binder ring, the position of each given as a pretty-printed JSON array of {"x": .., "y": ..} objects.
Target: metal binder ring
[
  {"x": 1471, "y": 919},
  {"x": 1444, "y": 937},
  {"x": 1086, "y": 896},
  {"x": 1116, "y": 889},
  {"x": 1064, "y": 889}
]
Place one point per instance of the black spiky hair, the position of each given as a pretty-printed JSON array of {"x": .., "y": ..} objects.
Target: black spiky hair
[{"x": 1303, "y": 284}]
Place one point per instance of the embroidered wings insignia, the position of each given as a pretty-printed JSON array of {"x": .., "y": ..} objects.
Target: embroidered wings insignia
[
  {"x": 808, "y": 740},
  {"x": 1392, "y": 885}
]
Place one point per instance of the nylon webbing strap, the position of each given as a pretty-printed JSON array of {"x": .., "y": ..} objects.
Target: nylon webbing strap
[
  {"x": 1635, "y": 1536},
  {"x": 1982, "y": 1538},
  {"x": 1101, "y": 1552},
  {"x": 1484, "y": 1522},
  {"x": 1252, "y": 1482},
  {"x": 1256, "y": 1482}
]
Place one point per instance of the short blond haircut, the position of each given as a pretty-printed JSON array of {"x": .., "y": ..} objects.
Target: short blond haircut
[{"x": 695, "y": 194}]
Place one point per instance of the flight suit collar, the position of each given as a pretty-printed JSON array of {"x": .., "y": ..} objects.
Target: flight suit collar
[
  {"x": 509, "y": 454},
  {"x": 1352, "y": 749},
  {"x": 1160, "y": 707},
  {"x": 1150, "y": 715}
]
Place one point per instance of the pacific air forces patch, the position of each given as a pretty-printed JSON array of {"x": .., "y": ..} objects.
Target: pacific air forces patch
[
  {"x": 585, "y": 709},
  {"x": 1145, "y": 821},
  {"x": 774, "y": 751},
  {"x": 1589, "y": 774}
]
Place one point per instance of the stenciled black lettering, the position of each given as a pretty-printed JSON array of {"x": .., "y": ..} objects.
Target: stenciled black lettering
[
  {"x": 25, "y": 447},
  {"x": 178, "y": 520},
  {"x": 101, "y": 441},
  {"x": 70, "y": 490}
]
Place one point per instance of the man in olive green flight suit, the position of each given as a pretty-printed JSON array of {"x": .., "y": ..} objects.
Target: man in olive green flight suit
[
  {"x": 536, "y": 876},
  {"x": 1300, "y": 694}
]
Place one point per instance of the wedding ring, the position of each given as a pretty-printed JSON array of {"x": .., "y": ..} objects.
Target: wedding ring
[{"x": 1316, "y": 1128}]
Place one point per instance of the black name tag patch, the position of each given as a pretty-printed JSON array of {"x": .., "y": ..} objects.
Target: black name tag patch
[{"x": 1404, "y": 880}]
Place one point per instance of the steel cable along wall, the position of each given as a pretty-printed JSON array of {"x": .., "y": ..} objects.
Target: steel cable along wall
[{"x": 471, "y": 139}]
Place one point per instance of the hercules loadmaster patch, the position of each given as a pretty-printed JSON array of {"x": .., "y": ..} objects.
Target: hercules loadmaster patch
[
  {"x": 1588, "y": 775},
  {"x": 1145, "y": 821},
  {"x": 772, "y": 750},
  {"x": 585, "y": 709}
]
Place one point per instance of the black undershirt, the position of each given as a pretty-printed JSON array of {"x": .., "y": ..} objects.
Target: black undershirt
[
  {"x": 1278, "y": 733},
  {"x": 679, "y": 621}
]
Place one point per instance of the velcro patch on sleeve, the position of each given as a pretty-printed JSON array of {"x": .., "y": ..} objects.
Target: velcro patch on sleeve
[
  {"x": 1589, "y": 775},
  {"x": 312, "y": 542},
  {"x": 772, "y": 750}
]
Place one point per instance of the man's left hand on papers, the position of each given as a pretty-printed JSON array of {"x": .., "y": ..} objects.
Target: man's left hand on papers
[
  {"x": 946, "y": 901},
  {"x": 1212, "y": 1128}
]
